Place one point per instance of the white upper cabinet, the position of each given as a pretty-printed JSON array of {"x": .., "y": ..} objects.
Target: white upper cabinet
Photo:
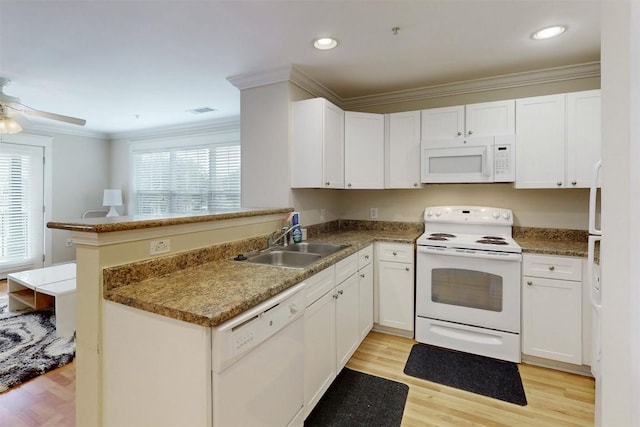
[
  {"x": 583, "y": 137},
  {"x": 482, "y": 119},
  {"x": 558, "y": 140},
  {"x": 364, "y": 150},
  {"x": 318, "y": 145},
  {"x": 402, "y": 150}
]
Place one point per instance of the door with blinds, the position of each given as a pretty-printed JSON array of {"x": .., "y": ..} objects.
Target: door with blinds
[{"x": 21, "y": 207}]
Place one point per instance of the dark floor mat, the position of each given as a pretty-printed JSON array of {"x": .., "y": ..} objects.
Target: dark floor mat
[
  {"x": 478, "y": 374},
  {"x": 359, "y": 399}
]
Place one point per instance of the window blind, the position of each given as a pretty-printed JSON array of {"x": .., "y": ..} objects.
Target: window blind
[
  {"x": 21, "y": 206},
  {"x": 186, "y": 180}
]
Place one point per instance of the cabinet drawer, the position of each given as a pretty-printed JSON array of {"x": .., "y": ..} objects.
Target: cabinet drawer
[
  {"x": 552, "y": 267},
  {"x": 319, "y": 284},
  {"x": 346, "y": 268},
  {"x": 365, "y": 256},
  {"x": 395, "y": 252}
]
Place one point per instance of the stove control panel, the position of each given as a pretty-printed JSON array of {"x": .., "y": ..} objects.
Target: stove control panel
[{"x": 468, "y": 215}]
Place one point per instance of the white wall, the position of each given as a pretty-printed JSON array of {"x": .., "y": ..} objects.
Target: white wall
[
  {"x": 80, "y": 167},
  {"x": 620, "y": 225}
]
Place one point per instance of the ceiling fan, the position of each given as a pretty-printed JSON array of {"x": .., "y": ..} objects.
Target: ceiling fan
[{"x": 11, "y": 103}]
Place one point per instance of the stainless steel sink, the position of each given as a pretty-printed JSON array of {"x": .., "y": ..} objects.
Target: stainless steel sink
[
  {"x": 298, "y": 255},
  {"x": 316, "y": 248},
  {"x": 285, "y": 259}
]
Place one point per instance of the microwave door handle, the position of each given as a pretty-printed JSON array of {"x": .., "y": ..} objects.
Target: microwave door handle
[{"x": 485, "y": 162}]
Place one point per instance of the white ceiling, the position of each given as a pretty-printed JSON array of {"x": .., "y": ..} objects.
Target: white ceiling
[{"x": 130, "y": 65}]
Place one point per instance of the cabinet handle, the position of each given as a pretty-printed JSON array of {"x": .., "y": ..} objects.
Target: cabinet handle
[
  {"x": 415, "y": 184},
  {"x": 529, "y": 283},
  {"x": 459, "y": 133},
  {"x": 362, "y": 275},
  {"x": 551, "y": 268},
  {"x": 335, "y": 296},
  {"x": 559, "y": 183},
  {"x": 407, "y": 269},
  {"x": 327, "y": 183},
  {"x": 349, "y": 185},
  {"x": 366, "y": 257},
  {"x": 573, "y": 182},
  {"x": 395, "y": 253},
  {"x": 470, "y": 132},
  {"x": 340, "y": 292}
]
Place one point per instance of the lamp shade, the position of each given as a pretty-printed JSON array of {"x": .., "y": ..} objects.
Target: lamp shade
[
  {"x": 112, "y": 198},
  {"x": 9, "y": 125}
]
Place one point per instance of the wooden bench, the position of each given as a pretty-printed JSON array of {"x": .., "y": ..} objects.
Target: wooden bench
[{"x": 53, "y": 286}]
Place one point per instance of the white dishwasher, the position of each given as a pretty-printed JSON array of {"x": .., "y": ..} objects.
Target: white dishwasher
[{"x": 258, "y": 364}]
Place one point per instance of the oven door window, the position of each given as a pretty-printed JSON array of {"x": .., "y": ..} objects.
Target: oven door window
[{"x": 466, "y": 288}]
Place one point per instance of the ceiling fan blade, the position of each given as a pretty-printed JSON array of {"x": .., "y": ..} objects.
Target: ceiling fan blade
[{"x": 53, "y": 116}]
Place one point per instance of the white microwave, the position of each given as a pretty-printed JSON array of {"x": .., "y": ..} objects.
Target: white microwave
[{"x": 476, "y": 159}]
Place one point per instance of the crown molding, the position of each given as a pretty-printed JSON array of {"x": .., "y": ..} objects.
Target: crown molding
[
  {"x": 200, "y": 127},
  {"x": 547, "y": 75},
  {"x": 312, "y": 86},
  {"x": 262, "y": 78}
]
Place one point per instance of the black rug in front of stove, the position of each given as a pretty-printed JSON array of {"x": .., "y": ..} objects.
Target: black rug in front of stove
[
  {"x": 478, "y": 374},
  {"x": 359, "y": 399}
]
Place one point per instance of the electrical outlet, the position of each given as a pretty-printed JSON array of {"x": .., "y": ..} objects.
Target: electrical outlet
[
  {"x": 323, "y": 214},
  {"x": 68, "y": 243},
  {"x": 160, "y": 247},
  {"x": 373, "y": 213}
]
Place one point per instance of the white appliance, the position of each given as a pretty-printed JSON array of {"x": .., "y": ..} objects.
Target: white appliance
[
  {"x": 468, "y": 273},
  {"x": 258, "y": 365},
  {"x": 595, "y": 285},
  {"x": 472, "y": 159}
]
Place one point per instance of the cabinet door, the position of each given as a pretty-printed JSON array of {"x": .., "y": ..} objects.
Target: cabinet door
[
  {"x": 583, "y": 137},
  {"x": 402, "y": 150},
  {"x": 490, "y": 118},
  {"x": 395, "y": 300},
  {"x": 552, "y": 319},
  {"x": 364, "y": 150},
  {"x": 318, "y": 133},
  {"x": 333, "y": 147},
  {"x": 319, "y": 349},
  {"x": 365, "y": 293},
  {"x": 347, "y": 336},
  {"x": 443, "y": 123},
  {"x": 540, "y": 142}
]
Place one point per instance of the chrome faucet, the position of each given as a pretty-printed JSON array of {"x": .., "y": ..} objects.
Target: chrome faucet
[{"x": 285, "y": 231}]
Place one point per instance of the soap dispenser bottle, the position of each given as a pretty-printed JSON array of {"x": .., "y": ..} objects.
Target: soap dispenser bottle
[{"x": 296, "y": 232}]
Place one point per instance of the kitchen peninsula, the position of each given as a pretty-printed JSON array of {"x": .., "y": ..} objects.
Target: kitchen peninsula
[{"x": 114, "y": 263}]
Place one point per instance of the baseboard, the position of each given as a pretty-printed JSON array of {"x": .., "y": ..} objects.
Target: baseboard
[
  {"x": 392, "y": 331},
  {"x": 583, "y": 370}
]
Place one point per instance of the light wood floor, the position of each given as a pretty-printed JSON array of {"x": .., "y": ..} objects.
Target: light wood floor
[{"x": 554, "y": 398}]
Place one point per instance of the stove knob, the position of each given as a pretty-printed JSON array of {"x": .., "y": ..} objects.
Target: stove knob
[
  {"x": 506, "y": 215},
  {"x": 438, "y": 212},
  {"x": 429, "y": 213},
  {"x": 496, "y": 214}
]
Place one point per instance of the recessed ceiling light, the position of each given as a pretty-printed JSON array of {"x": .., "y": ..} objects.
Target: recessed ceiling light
[
  {"x": 547, "y": 33},
  {"x": 325, "y": 43}
]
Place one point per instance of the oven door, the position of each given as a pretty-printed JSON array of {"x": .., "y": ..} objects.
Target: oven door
[{"x": 470, "y": 287}]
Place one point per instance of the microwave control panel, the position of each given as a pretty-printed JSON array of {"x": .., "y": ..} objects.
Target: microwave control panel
[{"x": 504, "y": 160}]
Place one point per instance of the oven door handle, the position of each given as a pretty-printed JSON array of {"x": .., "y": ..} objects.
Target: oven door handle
[{"x": 467, "y": 253}]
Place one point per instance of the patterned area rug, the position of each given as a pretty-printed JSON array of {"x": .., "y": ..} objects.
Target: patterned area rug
[{"x": 28, "y": 345}]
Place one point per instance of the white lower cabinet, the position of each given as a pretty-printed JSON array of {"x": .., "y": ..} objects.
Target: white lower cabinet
[
  {"x": 552, "y": 308},
  {"x": 334, "y": 321},
  {"x": 395, "y": 286}
]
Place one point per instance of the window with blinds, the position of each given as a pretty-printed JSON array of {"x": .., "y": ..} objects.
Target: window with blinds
[
  {"x": 186, "y": 180},
  {"x": 21, "y": 206}
]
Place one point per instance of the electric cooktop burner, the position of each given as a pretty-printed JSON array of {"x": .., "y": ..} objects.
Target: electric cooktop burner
[
  {"x": 492, "y": 241},
  {"x": 437, "y": 238},
  {"x": 493, "y": 237},
  {"x": 442, "y": 235}
]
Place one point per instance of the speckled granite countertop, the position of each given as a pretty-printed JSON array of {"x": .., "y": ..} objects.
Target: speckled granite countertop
[
  {"x": 125, "y": 223},
  {"x": 207, "y": 287},
  {"x": 551, "y": 241}
]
